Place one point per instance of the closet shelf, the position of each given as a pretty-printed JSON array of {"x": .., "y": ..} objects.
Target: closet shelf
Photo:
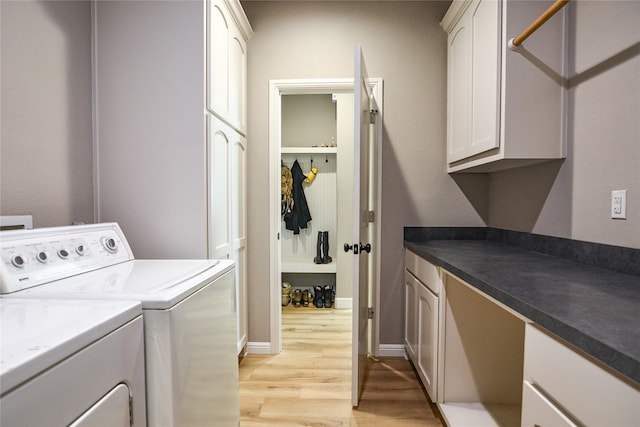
[
  {"x": 308, "y": 267},
  {"x": 308, "y": 150}
]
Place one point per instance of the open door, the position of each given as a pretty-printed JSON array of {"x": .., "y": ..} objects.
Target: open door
[{"x": 360, "y": 244}]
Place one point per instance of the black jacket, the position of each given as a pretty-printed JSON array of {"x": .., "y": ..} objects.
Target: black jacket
[{"x": 299, "y": 215}]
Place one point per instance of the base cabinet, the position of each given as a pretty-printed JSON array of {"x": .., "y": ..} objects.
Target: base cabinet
[
  {"x": 487, "y": 365},
  {"x": 568, "y": 387},
  {"x": 422, "y": 319}
]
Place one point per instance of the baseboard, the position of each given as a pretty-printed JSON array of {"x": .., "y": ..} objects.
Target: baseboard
[
  {"x": 391, "y": 350},
  {"x": 258, "y": 348},
  {"x": 344, "y": 303}
]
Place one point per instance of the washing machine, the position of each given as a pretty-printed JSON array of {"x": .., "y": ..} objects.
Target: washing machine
[
  {"x": 68, "y": 362},
  {"x": 188, "y": 307}
]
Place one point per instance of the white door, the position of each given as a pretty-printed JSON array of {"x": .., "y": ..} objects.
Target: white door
[{"x": 360, "y": 244}]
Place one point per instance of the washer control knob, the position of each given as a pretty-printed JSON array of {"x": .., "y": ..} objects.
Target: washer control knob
[
  {"x": 110, "y": 244},
  {"x": 18, "y": 261},
  {"x": 63, "y": 253},
  {"x": 80, "y": 250},
  {"x": 42, "y": 257}
]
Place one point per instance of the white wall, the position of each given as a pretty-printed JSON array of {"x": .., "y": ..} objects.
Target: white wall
[
  {"x": 45, "y": 111},
  {"x": 308, "y": 120},
  {"x": 403, "y": 44}
]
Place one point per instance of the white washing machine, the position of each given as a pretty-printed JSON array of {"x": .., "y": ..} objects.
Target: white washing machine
[
  {"x": 188, "y": 311},
  {"x": 67, "y": 362}
]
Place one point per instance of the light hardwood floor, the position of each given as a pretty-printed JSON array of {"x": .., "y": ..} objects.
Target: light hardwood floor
[{"x": 309, "y": 383}]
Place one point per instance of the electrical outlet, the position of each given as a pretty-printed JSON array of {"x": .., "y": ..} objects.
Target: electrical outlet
[{"x": 619, "y": 204}]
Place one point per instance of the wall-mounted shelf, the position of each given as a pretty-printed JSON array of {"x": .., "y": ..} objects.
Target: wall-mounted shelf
[
  {"x": 308, "y": 150},
  {"x": 308, "y": 267}
]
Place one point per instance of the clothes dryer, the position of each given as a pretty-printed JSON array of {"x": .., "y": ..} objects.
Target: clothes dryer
[
  {"x": 188, "y": 307},
  {"x": 68, "y": 362}
]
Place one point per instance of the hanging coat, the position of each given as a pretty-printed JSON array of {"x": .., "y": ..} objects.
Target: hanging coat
[{"x": 299, "y": 215}]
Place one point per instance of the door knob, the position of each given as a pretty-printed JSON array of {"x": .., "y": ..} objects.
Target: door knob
[
  {"x": 357, "y": 248},
  {"x": 366, "y": 248},
  {"x": 354, "y": 247}
]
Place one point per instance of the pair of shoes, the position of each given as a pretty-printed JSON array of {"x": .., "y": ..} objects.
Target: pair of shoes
[
  {"x": 297, "y": 298},
  {"x": 286, "y": 293},
  {"x": 306, "y": 297},
  {"x": 322, "y": 248},
  {"x": 323, "y": 297},
  {"x": 318, "y": 296}
]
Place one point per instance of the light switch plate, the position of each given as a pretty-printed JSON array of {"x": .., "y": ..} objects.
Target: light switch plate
[{"x": 619, "y": 204}]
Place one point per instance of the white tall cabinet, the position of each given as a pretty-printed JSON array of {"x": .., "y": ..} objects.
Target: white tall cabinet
[
  {"x": 170, "y": 128},
  {"x": 227, "y": 33}
]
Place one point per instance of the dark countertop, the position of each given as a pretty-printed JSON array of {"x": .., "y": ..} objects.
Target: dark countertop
[{"x": 594, "y": 308}]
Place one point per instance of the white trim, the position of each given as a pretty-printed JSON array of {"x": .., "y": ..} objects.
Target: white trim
[
  {"x": 94, "y": 112},
  {"x": 258, "y": 348},
  {"x": 378, "y": 94},
  {"x": 391, "y": 350},
  {"x": 307, "y": 86},
  {"x": 344, "y": 303},
  {"x": 275, "y": 318}
]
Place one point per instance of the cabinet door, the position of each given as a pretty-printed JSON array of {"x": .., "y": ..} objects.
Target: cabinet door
[
  {"x": 459, "y": 90},
  {"x": 410, "y": 315},
  {"x": 427, "y": 339},
  {"x": 220, "y": 138},
  {"x": 218, "y": 34},
  {"x": 226, "y": 66},
  {"x": 474, "y": 81},
  {"x": 485, "y": 79},
  {"x": 237, "y": 80},
  {"x": 238, "y": 231}
]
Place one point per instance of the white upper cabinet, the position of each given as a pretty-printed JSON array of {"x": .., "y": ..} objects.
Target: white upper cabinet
[
  {"x": 227, "y": 31},
  {"x": 504, "y": 108}
]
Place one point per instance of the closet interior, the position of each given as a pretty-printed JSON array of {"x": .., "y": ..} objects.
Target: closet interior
[{"x": 317, "y": 132}]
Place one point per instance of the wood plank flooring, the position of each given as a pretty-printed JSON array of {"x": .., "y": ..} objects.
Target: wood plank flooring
[{"x": 309, "y": 383}]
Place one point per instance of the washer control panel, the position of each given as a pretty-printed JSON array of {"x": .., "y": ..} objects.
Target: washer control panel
[{"x": 34, "y": 257}]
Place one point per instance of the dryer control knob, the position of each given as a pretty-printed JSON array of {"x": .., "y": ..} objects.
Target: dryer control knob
[
  {"x": 110, "y": 244},
  {"x": 63, "y": 253},
  {"x": 80, "y": 250},
  {"x": 42, "y": 257},
  {"x": 18, "y": 261}
]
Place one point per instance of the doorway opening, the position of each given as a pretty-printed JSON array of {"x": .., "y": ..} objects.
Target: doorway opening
[{"x": 340, "y": 92}]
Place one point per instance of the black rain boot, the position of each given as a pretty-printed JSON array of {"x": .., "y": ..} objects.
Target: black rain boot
[
  {"x": 326, "y": 259},
  {"x": 318, "y": 258},
  {"x": 328, "y": 292},
  {"x": 318, "y": 296}
]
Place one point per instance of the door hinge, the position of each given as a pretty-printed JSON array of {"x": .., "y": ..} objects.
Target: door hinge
[
  {"x": 370, "y": 313},
  {"x": 131, "y": 410},
  {"x": 371, "y": 216},
  {"x": 372, "y": 116}
]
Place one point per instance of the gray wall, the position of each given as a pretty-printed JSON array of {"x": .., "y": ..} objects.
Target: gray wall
[
  {"x": 150, "y": 128},
  {"x": 403, "y": 44},
  {"x": 45, "y": 111},
  {"x": 572, "y": 198}
]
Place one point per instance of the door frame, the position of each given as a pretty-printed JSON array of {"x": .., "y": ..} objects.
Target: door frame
[{"x": 277, "y": 88}]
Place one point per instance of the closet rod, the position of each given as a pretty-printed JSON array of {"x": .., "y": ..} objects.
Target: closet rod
[{"x": 514, "y": 43}]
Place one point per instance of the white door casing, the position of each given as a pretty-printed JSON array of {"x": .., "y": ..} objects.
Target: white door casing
[{"x": 306, "y": 86}]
